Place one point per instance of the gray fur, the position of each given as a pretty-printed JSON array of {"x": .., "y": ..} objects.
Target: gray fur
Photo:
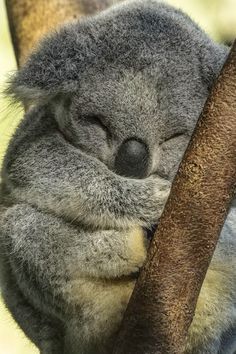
[{"x": 71, "y": 227}]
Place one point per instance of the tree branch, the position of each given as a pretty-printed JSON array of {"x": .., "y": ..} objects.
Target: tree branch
[{"x": 163, "y": 302}]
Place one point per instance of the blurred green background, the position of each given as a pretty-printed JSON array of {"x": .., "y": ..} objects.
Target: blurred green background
[{"x": 217, "y": 17}]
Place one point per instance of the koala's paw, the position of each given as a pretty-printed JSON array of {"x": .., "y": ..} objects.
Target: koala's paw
[
  {"x": 154, "y": 192},
  {"x": 137, "y": 245}
]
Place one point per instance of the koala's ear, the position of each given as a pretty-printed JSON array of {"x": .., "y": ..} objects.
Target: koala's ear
[
  {"x": 212, "y": 58},
  {"x": 53, "y": 68}
]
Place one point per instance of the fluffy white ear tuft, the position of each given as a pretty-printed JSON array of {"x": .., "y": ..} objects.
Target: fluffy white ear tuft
[{"x": 54, "y": 67}]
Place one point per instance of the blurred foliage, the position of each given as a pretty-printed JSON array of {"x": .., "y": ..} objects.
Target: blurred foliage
[
  {"x": 9, "y": 117},
  {"x": 217, "y": 17}
]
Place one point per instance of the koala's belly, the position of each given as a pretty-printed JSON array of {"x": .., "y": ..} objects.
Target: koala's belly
[{"x": 98, "y": 306}]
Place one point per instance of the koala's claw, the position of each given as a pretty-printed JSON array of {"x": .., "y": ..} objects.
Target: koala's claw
[{"x": 149, "y": 232}]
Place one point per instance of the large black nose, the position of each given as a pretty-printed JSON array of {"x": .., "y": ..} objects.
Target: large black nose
[{"x": 132, "y": 159}]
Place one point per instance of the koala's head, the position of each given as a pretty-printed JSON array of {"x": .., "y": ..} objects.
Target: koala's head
[{"x": 126, "y": 86}]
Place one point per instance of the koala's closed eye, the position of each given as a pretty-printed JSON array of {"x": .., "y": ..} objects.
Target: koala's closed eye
[
  {"x": 92, "y": 135},
  {"x": 172, "y": 136},
  {"x": 98, "y": 121}
]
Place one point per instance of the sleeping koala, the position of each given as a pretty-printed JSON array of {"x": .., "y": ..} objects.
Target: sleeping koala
[{"x": 113, "y": 102}]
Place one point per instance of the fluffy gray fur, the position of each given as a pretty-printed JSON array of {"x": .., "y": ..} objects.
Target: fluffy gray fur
[{"x": 71, "y": 225}]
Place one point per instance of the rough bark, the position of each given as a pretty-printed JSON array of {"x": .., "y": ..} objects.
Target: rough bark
[
  {"x": 162, "y": 305},
  {"x": 29, "y": 20}
]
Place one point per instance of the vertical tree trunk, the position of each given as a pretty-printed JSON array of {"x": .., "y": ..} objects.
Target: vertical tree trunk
[{"x": 162, "y": 305}]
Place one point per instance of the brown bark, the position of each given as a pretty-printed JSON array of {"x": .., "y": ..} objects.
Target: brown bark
[
  {"x": 29, "y": 20},
  {"x": 162, "y": 305}
]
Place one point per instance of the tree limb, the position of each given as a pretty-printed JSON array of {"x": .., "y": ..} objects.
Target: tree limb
[{"x": 163, "y": 302}]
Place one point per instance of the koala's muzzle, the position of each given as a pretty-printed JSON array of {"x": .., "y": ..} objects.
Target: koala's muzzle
[{"x": 132, "y": 159}]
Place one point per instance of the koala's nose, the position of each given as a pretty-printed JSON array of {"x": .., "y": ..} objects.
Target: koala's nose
[{"x": 132, "y": 159}]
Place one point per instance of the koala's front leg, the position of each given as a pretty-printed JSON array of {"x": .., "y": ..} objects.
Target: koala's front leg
[
  {"x": 69, "y": 271},
  {"x": 53, "y": 175},
  {"x": 54, "y": 249}
]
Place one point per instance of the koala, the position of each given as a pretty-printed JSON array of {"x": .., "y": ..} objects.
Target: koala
[{"x": 113, "y": 100}]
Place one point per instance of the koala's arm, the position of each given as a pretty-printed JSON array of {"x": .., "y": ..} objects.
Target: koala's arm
[
  {"x": 53, "y": 249},
  {"x": 215, "y": 312},
  {"x": 50, "y": 173}
]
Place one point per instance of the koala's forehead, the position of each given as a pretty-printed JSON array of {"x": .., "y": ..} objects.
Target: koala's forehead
[
  {"x": 131, "y": 103},
  {"x": 132, "y": 36},
  {"x": 131, "y": 95}
]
